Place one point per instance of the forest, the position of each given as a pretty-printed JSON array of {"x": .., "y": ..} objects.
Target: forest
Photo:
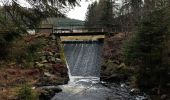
[
  {"x": 142, "y": 53},
  {"x": 138, "y": 53}
]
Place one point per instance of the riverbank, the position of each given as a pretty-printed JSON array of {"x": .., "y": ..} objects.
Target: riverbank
[
  {"x": 34, "y": 60},
  {"x": 115, "y": 70}
]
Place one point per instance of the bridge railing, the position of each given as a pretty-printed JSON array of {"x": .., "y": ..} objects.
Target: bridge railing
[{"x": 78, "y": 30}]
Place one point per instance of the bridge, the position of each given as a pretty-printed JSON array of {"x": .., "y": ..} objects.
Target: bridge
[{"x": 79, "y": 31}]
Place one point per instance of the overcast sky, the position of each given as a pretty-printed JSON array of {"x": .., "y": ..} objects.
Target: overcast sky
[{"x": 79, "y": 12}]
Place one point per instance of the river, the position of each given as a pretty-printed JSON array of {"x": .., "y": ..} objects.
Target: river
[{"x": 84, "y": 59}]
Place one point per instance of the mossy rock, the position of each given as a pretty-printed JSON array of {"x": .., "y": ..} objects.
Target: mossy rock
[{"x": 48, "y": 92}]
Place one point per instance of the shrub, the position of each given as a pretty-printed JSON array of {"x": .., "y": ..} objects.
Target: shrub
[
  {"x": 5, "y": 40},
  {"x": 26, "y": 93}
]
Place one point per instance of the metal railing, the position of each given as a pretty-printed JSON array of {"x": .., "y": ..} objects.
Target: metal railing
[{"x": 79, "y": 30}]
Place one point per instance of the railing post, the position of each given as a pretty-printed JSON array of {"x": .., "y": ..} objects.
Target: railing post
[{"x": 102, "y": 30}]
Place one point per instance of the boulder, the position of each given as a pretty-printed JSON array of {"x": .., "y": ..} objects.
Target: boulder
[
  {"x": 43, "y": 58},
  {"x": 39, "y": 64},
  {"x": 135, "y": 91},
  {"x": 48, "y": 92},
  {"x": 164, "y": 97},
  {"x": 114, "y": 78},
  {"x": 58, "y": 60}
]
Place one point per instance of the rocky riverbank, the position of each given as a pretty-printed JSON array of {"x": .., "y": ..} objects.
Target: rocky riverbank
[
  {"x": 44, "y": 66},
  {"x": 113, "y": 68}
]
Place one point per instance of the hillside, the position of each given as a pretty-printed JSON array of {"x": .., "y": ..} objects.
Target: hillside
[{"x": 63, "y": 22}]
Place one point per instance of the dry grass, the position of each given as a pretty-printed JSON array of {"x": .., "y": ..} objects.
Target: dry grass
[
  {"x": 8, "y": 93},
  {"x": 11, "y": 79}
]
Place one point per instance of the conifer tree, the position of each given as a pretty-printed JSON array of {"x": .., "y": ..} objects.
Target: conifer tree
[{"x": 100, "y": 14}]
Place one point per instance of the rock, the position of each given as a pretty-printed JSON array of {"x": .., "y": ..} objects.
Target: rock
[
  {"x": 44, "y": 61},
  {"x": 60, "y": 68},
  {"x": 43, "y": 58},
  {"x": 115, "y": 78},
  {"x": 48, "y": 74},
  {"x": 164, "y": 97},
  {"x": 58, "y": 60},
  {"x": 57, "y": 55},
  {"x": 48, "y": 92},
  {"x": 121, "y": 66},
  {"x": 47, "y": 80},
  {"x": 134, "y": 91},
  {"x": 141, "y": 98},
  {"x": 53, "y": 59},
  {"x": 33, "y": 88},
  {"x": 48, "y": 66},
  {"x": 39, "y": 64},
  {"x": 50, "y": 53}
]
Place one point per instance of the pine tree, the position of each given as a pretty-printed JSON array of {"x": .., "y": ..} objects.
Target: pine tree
[
  {"x": 90, "y": 20},
  {"x": 147, "y": 50},
  {"x": 105, "y": 16},
  {"x": 100, "y": 14}
]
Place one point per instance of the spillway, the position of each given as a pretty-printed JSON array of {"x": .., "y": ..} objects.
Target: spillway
[{"x": 83, "y": 59}]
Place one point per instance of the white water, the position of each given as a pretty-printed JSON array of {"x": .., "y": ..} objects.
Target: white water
[{"x": 83, "y": 62}]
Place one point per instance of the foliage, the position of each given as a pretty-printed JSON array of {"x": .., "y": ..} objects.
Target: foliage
[
  {"x": 26, "y": 93},
  {"x": 100, "y": 14},
  {"x": 23, "y": 52},
  {"x": 147, "y": 50},
  {"x": 5, "y": 40},
  {"x": 91, "y": 15},
  {"x": 16, "y": 17}
]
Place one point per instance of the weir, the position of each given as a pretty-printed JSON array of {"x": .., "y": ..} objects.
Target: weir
[
  {"x": 83, "y": 59},
  {"x": 84, "y": 62}
]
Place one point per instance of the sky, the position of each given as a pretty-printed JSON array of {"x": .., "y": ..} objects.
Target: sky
[{"x": 79, "y": 12}]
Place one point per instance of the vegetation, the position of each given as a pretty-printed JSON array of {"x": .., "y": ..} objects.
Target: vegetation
[
  {"x": 100, "y": 14},
  {"x": 29, "y": 59},
  {"x": 26, "y": 93},
  {"x": 148, "y": 50},
  {"x": 22, "y": 17},
  {"x": 143, "y": 27},
  {"x": 145, "y": 56},
  {"x": 33, "y": 60}
]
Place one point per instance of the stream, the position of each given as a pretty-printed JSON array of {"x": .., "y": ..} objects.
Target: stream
[{"x": 84, "y": 62}]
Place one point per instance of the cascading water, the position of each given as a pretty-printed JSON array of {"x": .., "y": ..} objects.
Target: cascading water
[{"x": 83, "y": 61}]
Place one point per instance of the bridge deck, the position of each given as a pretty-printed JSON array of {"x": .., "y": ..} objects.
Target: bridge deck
[{"x": 80, "y": 33}]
